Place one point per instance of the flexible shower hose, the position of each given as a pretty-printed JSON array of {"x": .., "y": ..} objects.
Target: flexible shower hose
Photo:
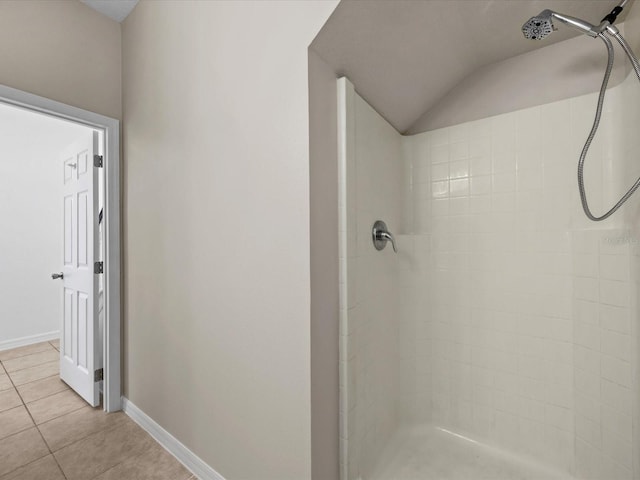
[{"x": 603, "y": 90}]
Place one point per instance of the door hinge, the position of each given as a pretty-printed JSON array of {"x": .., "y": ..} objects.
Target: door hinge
[
  {"x": 97, "y": 161},
  {"x": 98, "y": 375},
  {"x": 98, "y": 267}
]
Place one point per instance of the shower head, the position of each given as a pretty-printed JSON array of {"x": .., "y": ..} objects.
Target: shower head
[
  {"x": 538, "y": 27},
  {"x": 541, "y": 26}
]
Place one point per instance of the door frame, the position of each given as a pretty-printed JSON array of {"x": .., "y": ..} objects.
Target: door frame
[{"x": 112, "y": 387}]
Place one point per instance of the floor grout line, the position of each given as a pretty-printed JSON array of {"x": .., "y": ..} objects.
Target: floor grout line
[
  {"x": 24, "y": 405},
  {"x": 25, "y": 465},
  {"x": 108, "y": 427},
  {"x": 30, "y": 366},
  {"x": 33, "y": 381},
  {"x": 46, "y": 396},
  {"x": 51, "y": 453},
  {"x": 35, "y": 425},
  {"x": 120, "y": 463},
  {"x": 51, "y": 394},
  {"x": 24, "y": 429},
  {"x": 111, "y": 427},
  {"x": 27, "y": 354},
  {"x": 59, "y": 416},
  {"x": 40, "y": 433}
]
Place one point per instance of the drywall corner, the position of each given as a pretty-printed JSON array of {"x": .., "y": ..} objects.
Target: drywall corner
[{"x": 323, "y": 185}]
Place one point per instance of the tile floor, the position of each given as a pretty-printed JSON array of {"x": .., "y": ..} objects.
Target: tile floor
[{"x": 47, "y": 432}]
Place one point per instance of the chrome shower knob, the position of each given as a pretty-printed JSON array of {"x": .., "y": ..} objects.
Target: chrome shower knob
[{"x": 380, "y": 236}]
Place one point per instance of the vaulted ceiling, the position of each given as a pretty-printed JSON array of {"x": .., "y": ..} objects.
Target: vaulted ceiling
[
  {"x": 405, "y": 55},
  {"x": 117, "y": 10}
]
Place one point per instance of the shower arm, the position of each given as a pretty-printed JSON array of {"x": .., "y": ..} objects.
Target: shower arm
[{"x": 578, "y": 24}]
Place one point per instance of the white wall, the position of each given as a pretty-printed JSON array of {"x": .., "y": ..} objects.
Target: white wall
[
  {"x": 217, "y": 291},
  {"x": 31, "y": 219}
]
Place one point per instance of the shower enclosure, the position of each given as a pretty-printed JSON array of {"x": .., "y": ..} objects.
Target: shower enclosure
[{"x": 501, "y": 340}]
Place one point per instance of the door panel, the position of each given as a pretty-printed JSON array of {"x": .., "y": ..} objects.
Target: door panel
[
  {"x": 68, "y": 230},
  {"x": 84, "y": 219},
  {"x": 79, "y": 347}
]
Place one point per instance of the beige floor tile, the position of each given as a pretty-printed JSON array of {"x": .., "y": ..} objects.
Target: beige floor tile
[
  {"x": 26, "y": 350},
  {"x": 5, "y": 383},
  {"x": 21, "y": 449},
  {"x": 55, "y": 405},
  {"x": 9, "y": 399},
  {"x": 32, "y": 374},
  {"x": 155, "y": 464},
  {"x": 99, "y": 452},
  {"x": 31, "y": 360},
  {"x": 33, "y": 391},
  {"x": 14, "y": 420},
  {"x": 44, "y": 469},
  {"x": 74, "y": 426}
]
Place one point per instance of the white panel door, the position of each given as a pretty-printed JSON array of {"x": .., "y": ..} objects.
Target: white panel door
[{"x": 79, "y": 339}]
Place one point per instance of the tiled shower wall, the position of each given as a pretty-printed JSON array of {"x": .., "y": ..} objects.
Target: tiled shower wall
[
  {"x": 519, "y": 328},
  {"x": 371, "y": 188},
  {"x": 506, "y": 315}
]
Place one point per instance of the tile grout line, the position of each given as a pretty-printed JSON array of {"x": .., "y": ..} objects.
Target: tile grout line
[
  {"x": 51, "y": 453},
  {"x": 125, "y": 460},
  {"x": 59, "y": 416},
  {"x": 113, "y": 427},
  {"x": 34, "y": 421},
  {"x": 30, "y": 366},
  {"x": 26, "y": 354},
  {"x": 79, "y": 438},
  {"x": 46, "y": 396},
  {"x": 35, "y": 425},
  {"x": 33, "y": 381},
  {"x": 24, "y": 404}
]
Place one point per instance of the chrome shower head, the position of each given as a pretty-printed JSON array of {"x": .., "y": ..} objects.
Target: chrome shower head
[
  {"x": 538, "y": 27},
  {"x": 541, "y": 26}
]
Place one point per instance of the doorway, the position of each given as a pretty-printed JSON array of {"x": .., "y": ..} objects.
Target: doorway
[{"x": 102, "y": 166}]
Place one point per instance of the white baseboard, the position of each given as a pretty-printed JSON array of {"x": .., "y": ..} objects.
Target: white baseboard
[
  {"x": 23, "y": 341},
  {"x": 170, "y": 443}
]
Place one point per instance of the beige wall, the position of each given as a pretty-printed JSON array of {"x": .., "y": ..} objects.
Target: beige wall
[
  {"x": 556, "y": 72},
  {"x": 216, "y": 122},
  {"x": 62, "y": 50},
  {"x": 323, "y": 193},
  {"x": 563, "y": 70},
  {"x": 632, "y": 27}
]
